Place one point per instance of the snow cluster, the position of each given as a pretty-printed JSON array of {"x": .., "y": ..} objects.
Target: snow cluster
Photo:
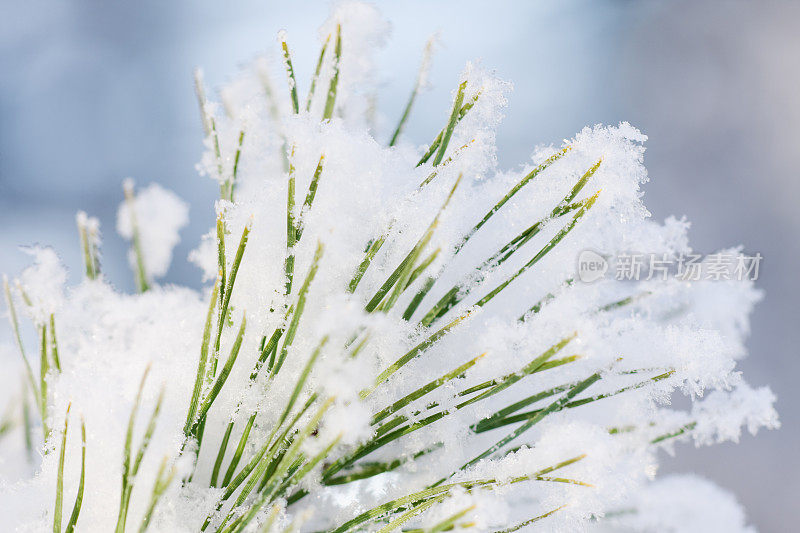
[
  {"x": 590, "y": 456},
  {"x": 159, "y": 215}
]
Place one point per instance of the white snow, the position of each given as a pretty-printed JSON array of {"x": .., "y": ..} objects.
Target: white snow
[{"x": 160, "y": 215}]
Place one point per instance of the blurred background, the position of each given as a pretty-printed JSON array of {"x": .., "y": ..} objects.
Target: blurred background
[{"x": 92, "y": 92}]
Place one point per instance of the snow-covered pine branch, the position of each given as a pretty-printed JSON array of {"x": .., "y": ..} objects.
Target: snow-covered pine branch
[{"x": 391, "y": 336}]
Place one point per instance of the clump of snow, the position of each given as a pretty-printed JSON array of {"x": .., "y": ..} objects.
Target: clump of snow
[
  {"x": 679, "y": 503},
  {"x": 722, "y": 415},
  {"x": 159, "y": 215},
  {"x": 42, "y": 284}
]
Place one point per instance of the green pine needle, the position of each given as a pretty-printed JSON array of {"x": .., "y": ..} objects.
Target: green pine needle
[
  {"x": 60, "y": 477},
  {"x": 451, "y": 124},
  {"x": 142, "y": 280},
  {"x": 317, "y": 71},
  {"x": 76, "y": 508},
  {"x": 287, "y": 60},
  {"x": 330, "y": 101},
  {"x": 417, "y": 85}
]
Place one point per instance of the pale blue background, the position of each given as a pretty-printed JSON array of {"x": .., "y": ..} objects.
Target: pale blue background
[{"x": 91, "y": 92}]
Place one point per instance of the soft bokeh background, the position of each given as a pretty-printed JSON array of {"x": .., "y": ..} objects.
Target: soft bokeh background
[{"x": 92, "y": 92}]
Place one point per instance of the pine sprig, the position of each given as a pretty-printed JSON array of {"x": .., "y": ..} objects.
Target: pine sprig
[{"x": 262, "y": 429}]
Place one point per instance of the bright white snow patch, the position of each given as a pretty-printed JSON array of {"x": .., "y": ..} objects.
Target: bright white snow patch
[{"x": 160, "y": 215}]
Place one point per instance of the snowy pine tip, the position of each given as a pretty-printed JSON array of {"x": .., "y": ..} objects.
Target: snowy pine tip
[
  {"x": 157, "y": 215},
  {"x": 392, "y": 332}
]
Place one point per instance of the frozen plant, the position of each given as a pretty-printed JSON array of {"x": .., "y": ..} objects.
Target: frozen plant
[{"x": 392, "y": 337}]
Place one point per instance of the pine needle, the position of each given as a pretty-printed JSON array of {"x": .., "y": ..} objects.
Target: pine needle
[
  {"x": 12, "y": 318},
  {"x": 426, "y": 58},
  {"x": 330, "y": 102},
  {"x": 142, "y": 280},
  {"x": 287, "y": 61},
  {"x": 60, "y": 477},
  {"x": 76, "y": 508},
  {"x": 317, "y": 71},
  {"x": 163, "y": 480},
  {"x": 451, "y": 124}
]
